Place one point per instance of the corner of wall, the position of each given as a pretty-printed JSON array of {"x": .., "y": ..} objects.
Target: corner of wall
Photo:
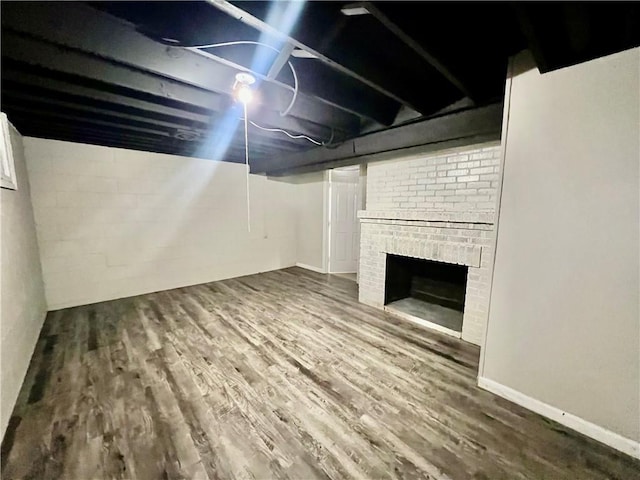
[{"x": 23, "y": 307}]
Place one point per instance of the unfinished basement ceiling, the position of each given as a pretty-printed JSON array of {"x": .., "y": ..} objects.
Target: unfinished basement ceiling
[{"x": 120, "y": 73}]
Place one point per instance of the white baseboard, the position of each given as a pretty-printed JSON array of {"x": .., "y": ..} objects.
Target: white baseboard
[
  {"x": 602, "y": 435},
  {"x": 310, "y": 267}
]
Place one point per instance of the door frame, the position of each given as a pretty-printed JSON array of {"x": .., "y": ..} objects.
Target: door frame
[
  {"x": 327, "y": 191},
  {"x": 326, "y": 220}
]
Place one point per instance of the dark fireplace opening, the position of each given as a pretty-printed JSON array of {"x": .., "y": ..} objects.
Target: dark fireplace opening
[{"x": 429, "y": 290}]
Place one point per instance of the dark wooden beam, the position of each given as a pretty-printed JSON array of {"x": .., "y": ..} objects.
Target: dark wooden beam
[
  {"x": 80, "y": 117},
  {"x": 45, "y": 126},
  {"x": 29, "y": 78},
  {"x": 196, "y": 25},
  {"x": 562, "y": 34},
  {"x": 416, "y": 47},
  {"x": 84, "y": 29},
  {"x": 528, "y": 29},
  {"x": 244, "y": 16},
  {"x": 451, "y": 130},
  {"x": 320, "y": 80},
  {"x": 61, "y": 107},
  {"x": 280, "y": 61},
  {"x": 37, "y": 63},
  {"x": 31, "y": 51},
  {"x": 15, "y": 94}
]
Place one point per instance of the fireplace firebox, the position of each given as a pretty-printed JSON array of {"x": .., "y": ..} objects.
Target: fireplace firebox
[{"x": 426, "y": 290}]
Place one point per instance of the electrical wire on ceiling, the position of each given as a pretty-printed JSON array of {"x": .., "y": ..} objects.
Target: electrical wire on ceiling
[
  {"x": 266, "y": 45},
  {"x": 295, "y": 86},
  {"x": 286, "y": 133}
]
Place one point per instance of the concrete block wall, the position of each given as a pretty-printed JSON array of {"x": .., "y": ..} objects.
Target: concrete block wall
[
  {"x": 113, "y": 223},
  {"x": 438, "y": 207},
  {"x": 459, "y": 180},
  {"x": 23, "y": 306}
]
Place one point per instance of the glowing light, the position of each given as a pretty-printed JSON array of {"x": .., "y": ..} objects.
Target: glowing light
[
  {"x": 244, "y": 94},
  {"x": 241, "y": 89},
  {"x": 282, "y": 16}
]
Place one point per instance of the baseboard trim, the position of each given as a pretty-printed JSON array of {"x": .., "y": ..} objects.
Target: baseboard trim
[
  {"x": 596, "y": 432},
  {"x": 310, "y": 267}
]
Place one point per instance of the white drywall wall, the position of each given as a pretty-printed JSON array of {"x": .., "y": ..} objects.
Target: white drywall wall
[
  {"x": 23, "y": 306},
  {"x": 308, "y": 198},
  {"x": 564, "y": 323},
  {"x": 114, "y": 223}
]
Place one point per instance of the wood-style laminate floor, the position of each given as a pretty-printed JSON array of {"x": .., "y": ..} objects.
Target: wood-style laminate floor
[{"x": 277, "y": 375}]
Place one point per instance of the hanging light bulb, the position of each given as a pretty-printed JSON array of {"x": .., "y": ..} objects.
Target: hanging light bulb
[
  {"x": 244, "y": 94},
  {"x": 242, "y": 88}
]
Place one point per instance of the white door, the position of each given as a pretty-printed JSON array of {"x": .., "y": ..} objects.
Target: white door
[{"x": 344, "y": 248}]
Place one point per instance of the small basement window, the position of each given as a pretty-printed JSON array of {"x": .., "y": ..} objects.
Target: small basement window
[{"x": 6, "y": 155}]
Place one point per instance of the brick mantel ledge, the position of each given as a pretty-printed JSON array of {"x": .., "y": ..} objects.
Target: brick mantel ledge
[{"x": 486, "y": 218}]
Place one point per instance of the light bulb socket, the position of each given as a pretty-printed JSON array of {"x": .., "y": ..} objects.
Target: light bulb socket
[
  {"x": 245, "y": 78},
  {"x": 242, "y": 91}
]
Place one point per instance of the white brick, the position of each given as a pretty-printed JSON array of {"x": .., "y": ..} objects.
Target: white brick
[
  {"x": 457, "y": 158},
  {"x": 468, "y": 178},
  {"x": 489, "y": 177},
  {"x": 462, "y": 191},
  {"x": 469, "y": 164},
  {"x": 480, "y": 156},
  {"x": 490, "y": 162},
  {"x": 446, "y": 167},
  {"x": 446, "y": 180},
  {"x": 481, "y": 170}
]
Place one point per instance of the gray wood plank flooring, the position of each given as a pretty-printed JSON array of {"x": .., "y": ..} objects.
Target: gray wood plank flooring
[{"x": 277, "y": 375}]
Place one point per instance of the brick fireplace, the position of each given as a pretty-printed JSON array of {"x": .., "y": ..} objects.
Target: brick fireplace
[{"x": 437, "y": 207}]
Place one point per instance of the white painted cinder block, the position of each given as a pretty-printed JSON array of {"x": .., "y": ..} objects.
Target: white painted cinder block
[{"x": 113, "y": 223}]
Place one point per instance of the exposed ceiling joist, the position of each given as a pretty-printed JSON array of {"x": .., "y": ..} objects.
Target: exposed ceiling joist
[
  {"x": 280, "y": 61},
  {"x": 85, "y": 29},
  {"x": 561, "y": 34},
  {"x": 261, "y": 25},
  {"x": 51, "y": 125},
  {"x": 318, "y": 79},
  {"x": 87, "y": 94},
  {"x": 23, "y": 83},
  {"x": 34, "y": 52},
  {"x": 454, "y": 129},
  {"x": 132, "y": 73},
  {"x": 85, "y": 113},
  {"x": 34, "y": 96},
  {"x": 78, "y": 66},
  {"x": 358, "y": 101},
  {"x": 416, "y": 47},
  {"x": 96, "y": 120}
]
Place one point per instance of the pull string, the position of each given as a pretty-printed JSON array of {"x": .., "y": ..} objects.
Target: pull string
[{"x": 246, "y": 160}]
